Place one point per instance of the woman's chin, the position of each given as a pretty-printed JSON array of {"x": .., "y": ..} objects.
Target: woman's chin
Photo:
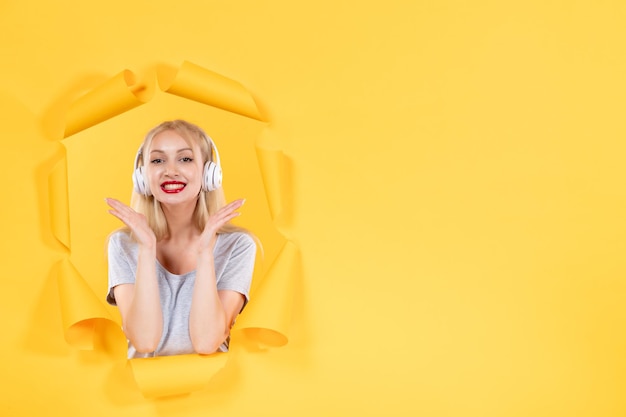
[{"x": 181, "y": 197}]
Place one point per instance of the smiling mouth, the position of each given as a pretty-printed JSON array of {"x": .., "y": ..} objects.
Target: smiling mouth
[{"x": 172, "y": 187}]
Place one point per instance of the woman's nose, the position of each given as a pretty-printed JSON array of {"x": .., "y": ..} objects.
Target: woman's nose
[{"x": 170, "y": 169}]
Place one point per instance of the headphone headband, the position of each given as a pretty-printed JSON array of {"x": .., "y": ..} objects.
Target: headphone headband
[{"x": 213, "y": 149}]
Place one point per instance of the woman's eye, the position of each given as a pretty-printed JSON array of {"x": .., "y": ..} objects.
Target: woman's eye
[
  {"x": 186, "y": 159},
  {"x": 156, "y": 161}
]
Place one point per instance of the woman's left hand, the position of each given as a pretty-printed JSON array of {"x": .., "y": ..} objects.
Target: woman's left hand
[{"x": 215, "y": 223}]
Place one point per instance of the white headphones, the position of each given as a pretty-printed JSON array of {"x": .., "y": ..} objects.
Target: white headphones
[{"x": 211, "y": 176}]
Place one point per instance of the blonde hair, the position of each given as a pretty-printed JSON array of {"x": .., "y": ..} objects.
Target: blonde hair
[{"x": 208, "y": 202}]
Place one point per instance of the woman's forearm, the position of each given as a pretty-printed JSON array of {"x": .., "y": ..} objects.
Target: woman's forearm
[
  {"x": 207, "y": 319},
  {"x": 144, "y": 319}
]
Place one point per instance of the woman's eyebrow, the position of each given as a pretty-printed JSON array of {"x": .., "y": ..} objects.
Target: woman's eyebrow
[{"x": 178, "y": 151}]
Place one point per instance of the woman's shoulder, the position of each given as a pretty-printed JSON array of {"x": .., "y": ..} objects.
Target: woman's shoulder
[
  {"x": 237, "y": 238},
  {"x": 122, "y": 239}
]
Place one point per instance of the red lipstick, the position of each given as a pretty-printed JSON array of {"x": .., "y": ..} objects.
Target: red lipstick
[{"x": 172, "y": 187}]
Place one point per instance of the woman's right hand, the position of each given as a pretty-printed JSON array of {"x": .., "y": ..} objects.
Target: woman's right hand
[{"x": 136, "y": 222}]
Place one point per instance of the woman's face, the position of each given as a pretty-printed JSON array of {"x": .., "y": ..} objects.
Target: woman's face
[{"x": 174, "y": 168}]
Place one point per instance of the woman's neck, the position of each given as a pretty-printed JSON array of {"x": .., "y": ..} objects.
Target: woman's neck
[{"x": 180, "y": 225}]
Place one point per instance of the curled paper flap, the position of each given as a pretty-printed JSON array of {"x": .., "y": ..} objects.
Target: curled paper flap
[
  {"x": 174, "y": 375},
  {"x": 115, "y": 96},
  {"x": 202, "y": 85},
  {"x": 80, "y": 308},
  {"x": 59, "y": 204},
  {"x": 268, "y": 317},
  {"x": 272, "y": 163}
]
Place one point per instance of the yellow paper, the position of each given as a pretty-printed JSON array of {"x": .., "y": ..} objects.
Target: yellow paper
[
  {"x": 272, "y": 162},
  {"x": 459, "y": 193},
  {"x": 59, "y": 210},
  {"x": 174, "y": 375},
  {"x": 80, "y": 307},
  {"x": 117, "y": 95},
  {"x": 208, "y": 87},
  {"x": 269, "y": 316}
]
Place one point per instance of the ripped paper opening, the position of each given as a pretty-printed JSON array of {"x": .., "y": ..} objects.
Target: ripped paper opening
[{"x": 97, "y": 126}]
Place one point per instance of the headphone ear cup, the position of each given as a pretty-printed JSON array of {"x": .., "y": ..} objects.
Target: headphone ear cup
[
  {"x": 140, "y": 185},
  {"x": 212, "y": 178}
]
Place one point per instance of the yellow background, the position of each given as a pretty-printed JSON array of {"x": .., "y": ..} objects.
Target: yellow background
[{"x": 457, "y": 198}]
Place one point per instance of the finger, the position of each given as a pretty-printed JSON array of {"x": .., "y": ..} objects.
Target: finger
[
  {"x": 232, "y": 216},
  {"x": 229, "y": 208},
  {"x": 119, "y": 216},
  {"x": 112, "y": 201},
  {"x": 122, "y": 211},
  {"x": 125, "y": 215},
  {"x": 216, "y": 222},
  {"x": 116, "y": 204},
  {"x": 120, "y": 207},
  {"x": 225, "y": 219},
  {"x": 234, "y": 204},
  {"x": 221, "y": 218}
]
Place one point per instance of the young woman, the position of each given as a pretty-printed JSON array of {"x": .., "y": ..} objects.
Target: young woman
[{"x": 178, "y": 272}]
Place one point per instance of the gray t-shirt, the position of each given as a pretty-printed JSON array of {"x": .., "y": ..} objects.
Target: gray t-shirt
[{"x": 234, "y": 255}]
